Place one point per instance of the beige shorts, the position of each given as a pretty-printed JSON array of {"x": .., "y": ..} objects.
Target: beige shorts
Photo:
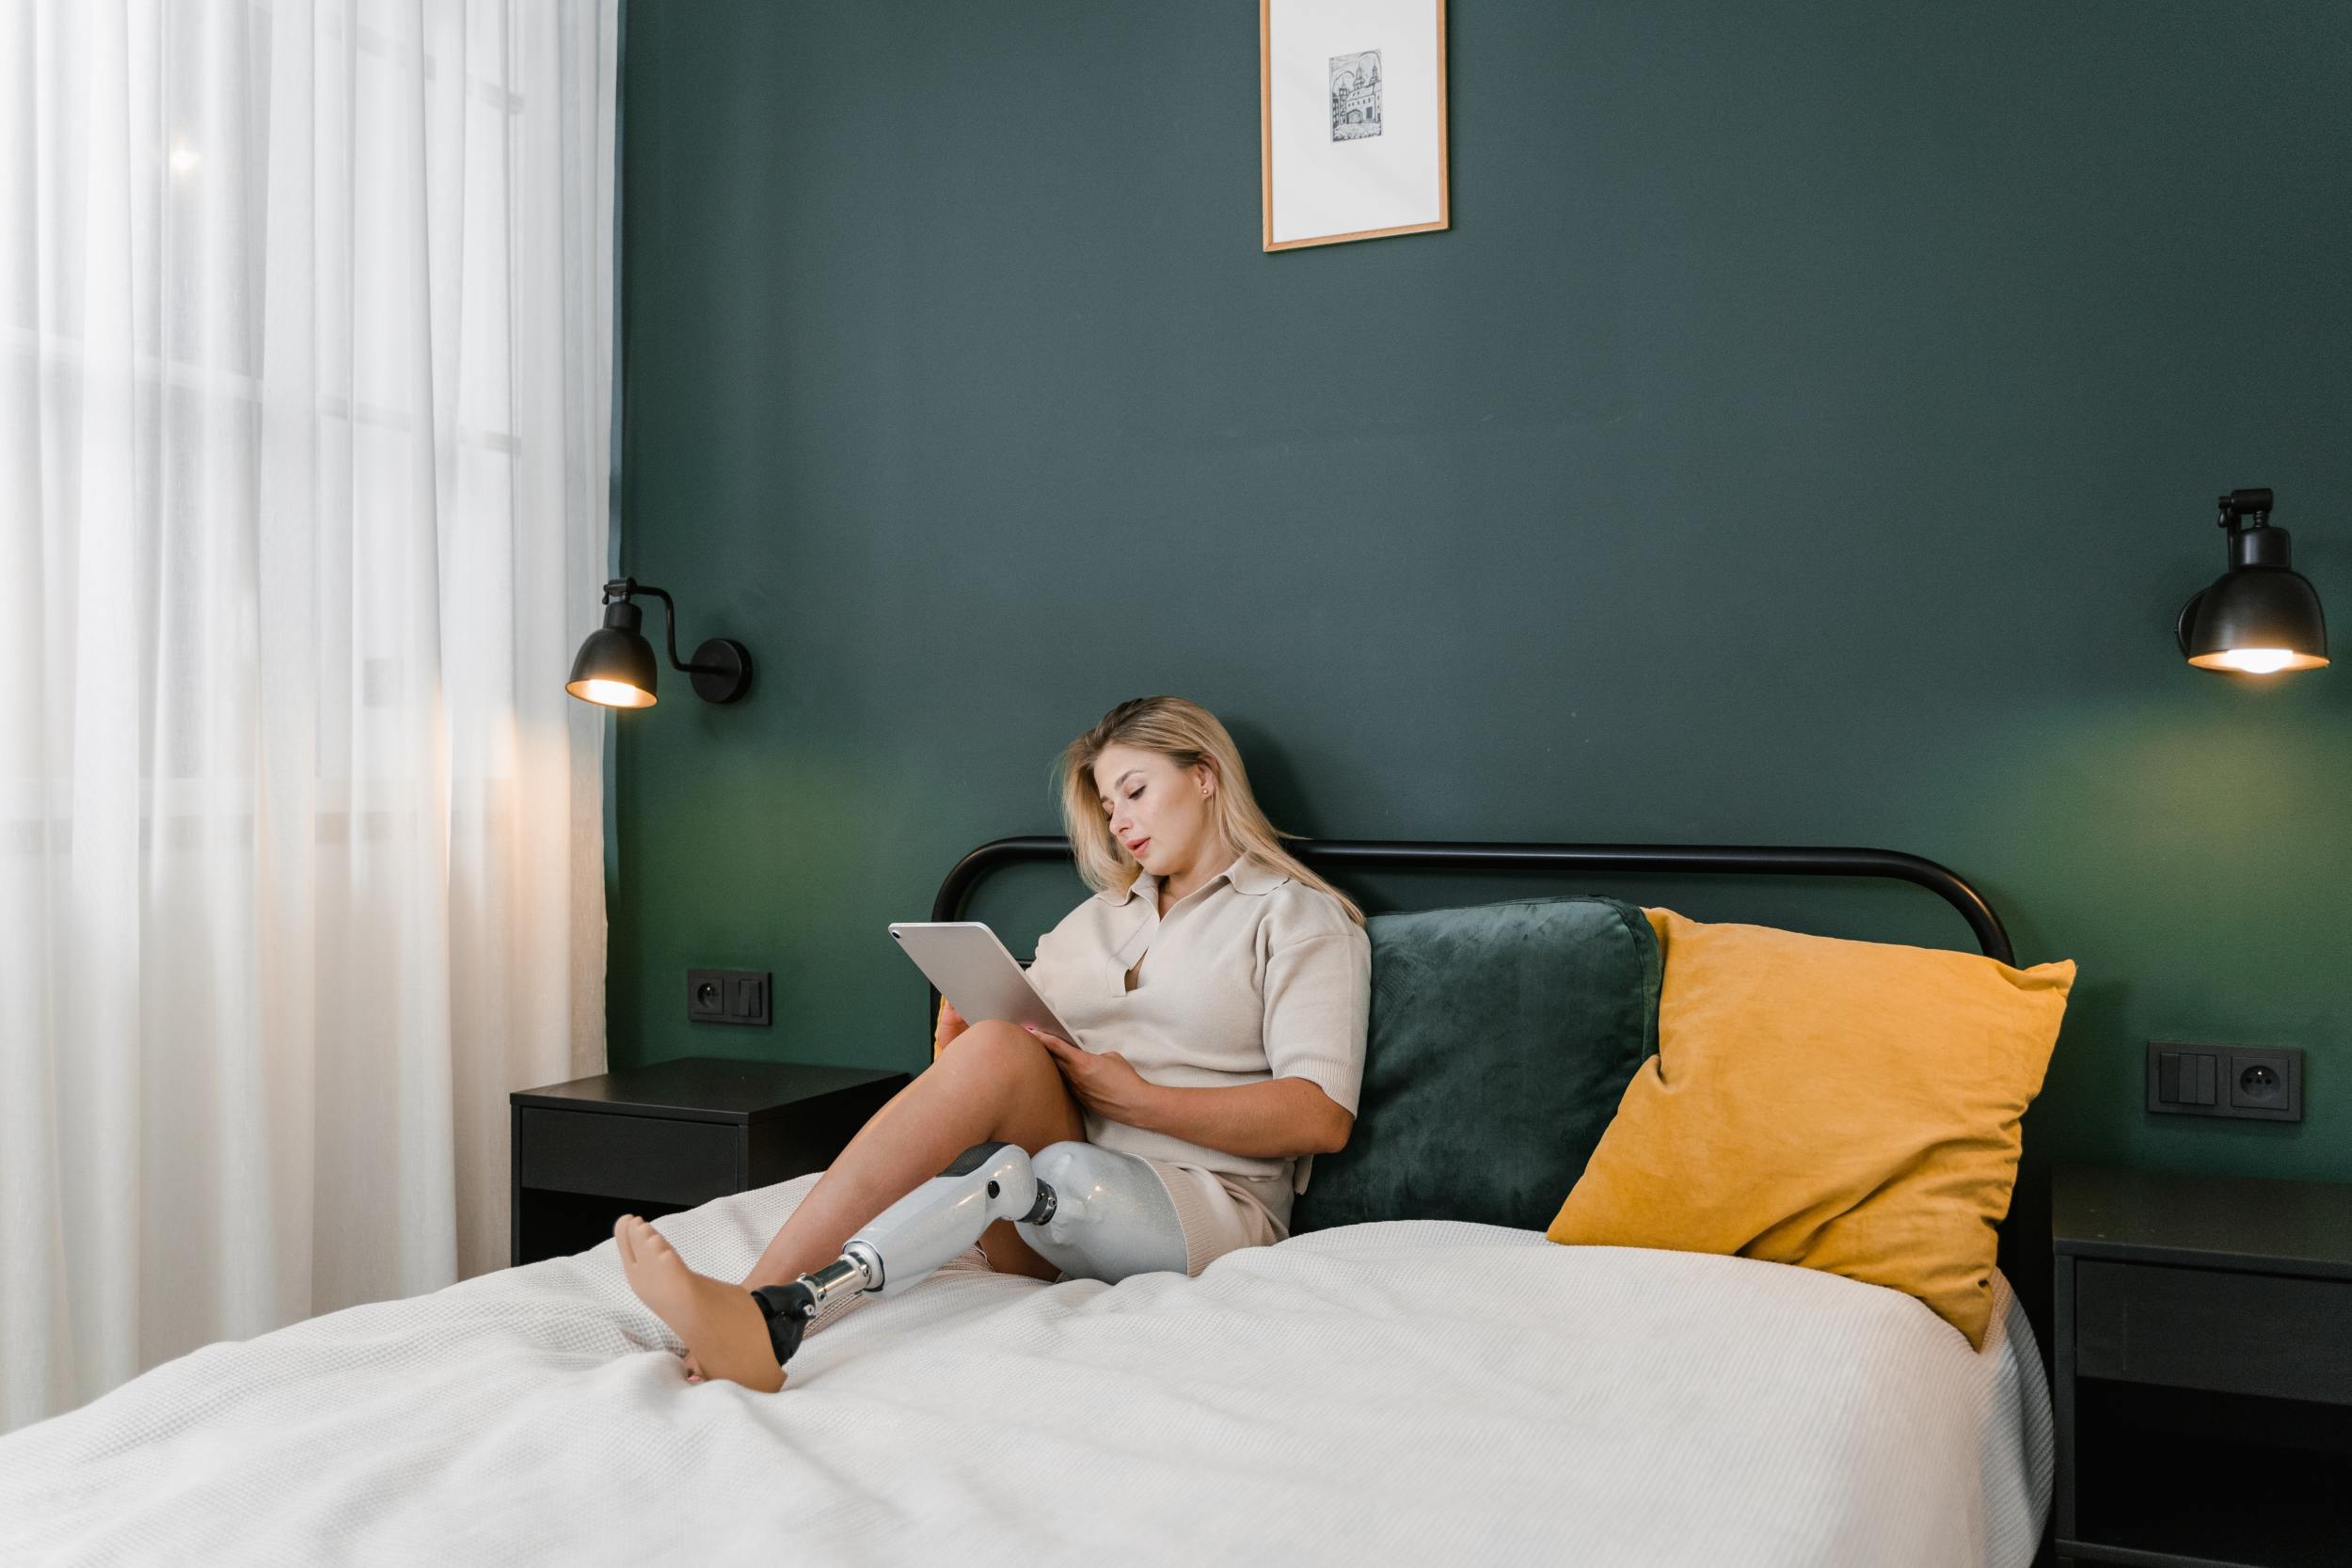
[{"x": 1217, "y": 1211}]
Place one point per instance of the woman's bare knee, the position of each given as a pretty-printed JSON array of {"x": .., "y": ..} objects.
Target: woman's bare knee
[
  {"x": 1034, "y": 1106},
  {"x": 1001, "y": 1051},
  {"x": 988, "y": 1030}
]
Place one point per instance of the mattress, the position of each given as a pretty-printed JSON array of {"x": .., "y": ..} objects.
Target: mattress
[{"x": 1414, "y": 1389}]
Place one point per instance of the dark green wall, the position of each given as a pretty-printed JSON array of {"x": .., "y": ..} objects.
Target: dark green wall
[{"x": 1806, "y": 434}]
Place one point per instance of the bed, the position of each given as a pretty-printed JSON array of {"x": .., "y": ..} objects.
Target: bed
[{"x": 1365, "y": 1393}]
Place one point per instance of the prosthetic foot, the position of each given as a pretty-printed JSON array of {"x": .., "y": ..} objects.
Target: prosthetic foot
[{"x": 1090, "y": 1212}]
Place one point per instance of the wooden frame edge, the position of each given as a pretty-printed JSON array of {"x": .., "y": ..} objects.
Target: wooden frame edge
[{"x": 1266, "y": 122}]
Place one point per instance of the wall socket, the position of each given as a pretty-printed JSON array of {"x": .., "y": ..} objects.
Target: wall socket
[
  {"x": 727, "y": 996},
  {"x": 2262, "y": 1082}
]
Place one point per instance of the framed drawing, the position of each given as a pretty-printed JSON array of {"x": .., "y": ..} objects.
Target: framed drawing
[{"x": 1351, "y": 119}]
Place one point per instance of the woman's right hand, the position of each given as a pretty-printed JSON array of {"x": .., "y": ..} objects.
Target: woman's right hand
[{"x": 951, "y": 1024}]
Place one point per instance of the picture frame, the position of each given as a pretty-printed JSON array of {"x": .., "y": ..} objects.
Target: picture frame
[{"x": 1351, "y": 120}]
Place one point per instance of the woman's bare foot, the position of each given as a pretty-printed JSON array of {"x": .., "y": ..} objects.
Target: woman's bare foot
[{"x": 725, "y": 1332}]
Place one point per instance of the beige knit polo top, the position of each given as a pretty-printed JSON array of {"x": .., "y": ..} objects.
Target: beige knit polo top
[{"x": 1250, "y": 976}]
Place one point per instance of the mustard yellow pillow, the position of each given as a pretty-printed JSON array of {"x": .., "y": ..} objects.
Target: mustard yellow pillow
[{"x": 1851, "y": 1106}]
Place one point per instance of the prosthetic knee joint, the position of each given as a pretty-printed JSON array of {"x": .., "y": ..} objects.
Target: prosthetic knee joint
[{"x": 1091, "y": 1212}]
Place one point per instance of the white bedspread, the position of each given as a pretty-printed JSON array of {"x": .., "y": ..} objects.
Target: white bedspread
[{"x": 1380, "y": 1393}]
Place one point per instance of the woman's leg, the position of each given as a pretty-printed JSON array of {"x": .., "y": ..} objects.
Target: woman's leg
[{"x": 992, "y": 1083}]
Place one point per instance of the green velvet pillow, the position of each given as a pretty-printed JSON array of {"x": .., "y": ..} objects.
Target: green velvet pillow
[{"x": 1502, "y": 1037}]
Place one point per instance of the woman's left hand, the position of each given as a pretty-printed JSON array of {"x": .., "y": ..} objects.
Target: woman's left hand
[{"x": 1103, "y": 1081}]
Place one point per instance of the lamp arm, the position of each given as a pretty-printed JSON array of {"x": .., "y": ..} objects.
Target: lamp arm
[{"x": 625, "y": 587}]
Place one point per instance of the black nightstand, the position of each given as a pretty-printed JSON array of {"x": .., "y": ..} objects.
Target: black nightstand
[
  {"x": 2204, "y": 1370},
  {"x": 654, "y": 1140}
]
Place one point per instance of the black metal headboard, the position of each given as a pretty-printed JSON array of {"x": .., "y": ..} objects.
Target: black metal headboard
[{"x": 1334, "y": 853}]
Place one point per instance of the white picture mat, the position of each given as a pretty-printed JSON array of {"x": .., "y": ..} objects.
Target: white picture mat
[{"x": 1321, "y": 187}]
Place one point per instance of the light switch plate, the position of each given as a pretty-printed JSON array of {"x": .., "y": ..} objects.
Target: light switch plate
[
  {"x": 728, "y": 996},
  {"x": 2260, "y": 1083}
]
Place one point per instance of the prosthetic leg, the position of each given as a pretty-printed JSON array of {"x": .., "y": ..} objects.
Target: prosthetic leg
[{"x": 1092, "y": 1211}]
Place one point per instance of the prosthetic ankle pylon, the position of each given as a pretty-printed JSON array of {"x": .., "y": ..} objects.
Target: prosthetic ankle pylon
[{"x": 1091, "y": 1212}]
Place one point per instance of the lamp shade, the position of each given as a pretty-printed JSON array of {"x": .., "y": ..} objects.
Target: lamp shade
[
  {"x": 616, "y": 666},
  {"x": 2259, "y": 617}
]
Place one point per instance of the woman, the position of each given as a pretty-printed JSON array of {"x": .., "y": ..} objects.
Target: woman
[{"x": 1234, "y": 983}]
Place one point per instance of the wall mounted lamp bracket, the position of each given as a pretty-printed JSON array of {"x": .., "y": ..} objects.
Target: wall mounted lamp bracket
[
  {"x": 721, "y": 667},
  {"x": 616, "y": 666}
]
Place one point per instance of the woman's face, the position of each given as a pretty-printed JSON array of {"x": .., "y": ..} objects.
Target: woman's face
[{"x": 1159, "y": 812}]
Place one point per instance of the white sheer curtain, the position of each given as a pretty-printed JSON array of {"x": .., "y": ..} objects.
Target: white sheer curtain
[{"x": 304, "y": 416}]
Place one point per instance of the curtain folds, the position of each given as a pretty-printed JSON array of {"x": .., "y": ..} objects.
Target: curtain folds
[{"x": 305, "y": 419}]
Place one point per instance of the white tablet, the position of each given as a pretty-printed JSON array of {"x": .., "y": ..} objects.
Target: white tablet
[{"x": 972, "y": 969}]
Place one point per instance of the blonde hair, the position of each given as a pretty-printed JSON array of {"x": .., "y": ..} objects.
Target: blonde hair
[{"x": 1189, "y": 734}]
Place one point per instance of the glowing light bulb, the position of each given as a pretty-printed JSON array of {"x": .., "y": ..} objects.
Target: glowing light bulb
[
  {"x": 2258, "y": 661},
  {"x": 183, "y": 157},
  {"x": 613, "y": 693}
]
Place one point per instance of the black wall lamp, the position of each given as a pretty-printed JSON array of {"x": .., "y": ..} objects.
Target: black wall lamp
[
  {"x": 2261, "y": 616},
  {"x": 616, "y": 668}
]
